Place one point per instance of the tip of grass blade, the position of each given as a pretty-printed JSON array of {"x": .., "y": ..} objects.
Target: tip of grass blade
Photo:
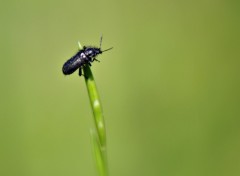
[{"x": 79, "y": 46}]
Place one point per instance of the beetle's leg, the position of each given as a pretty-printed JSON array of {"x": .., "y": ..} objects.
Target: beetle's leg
[
  {"x": 88, "y": 60},
  {"x": 89, "y": 64},
  {"x": 80, "y": 71},
  {"x": 94, "y": 59}
]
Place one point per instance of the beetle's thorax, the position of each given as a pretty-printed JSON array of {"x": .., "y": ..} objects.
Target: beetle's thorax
[{"x": 92, "y": 51}]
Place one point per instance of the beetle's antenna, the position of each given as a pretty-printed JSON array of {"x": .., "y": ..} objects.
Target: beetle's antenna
[
  {"x": 100, "y": 41},
  {"x": 107, "y": 49}
]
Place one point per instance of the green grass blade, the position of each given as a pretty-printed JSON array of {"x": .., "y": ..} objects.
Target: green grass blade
[
  {"x": 98, "y": 135},
  {"x": 99, "y": 138}
]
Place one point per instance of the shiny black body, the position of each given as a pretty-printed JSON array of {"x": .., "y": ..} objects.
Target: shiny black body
[{"x": 85, "y": 56}]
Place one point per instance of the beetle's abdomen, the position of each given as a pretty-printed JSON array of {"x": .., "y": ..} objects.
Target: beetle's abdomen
[{"x": 72, "y": 64}]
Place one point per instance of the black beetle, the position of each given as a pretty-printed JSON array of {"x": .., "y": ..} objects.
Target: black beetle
[{"x": 84, "y": 56}]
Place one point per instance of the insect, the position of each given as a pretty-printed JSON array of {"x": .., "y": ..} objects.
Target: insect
[{"x": 83, "y": 57}]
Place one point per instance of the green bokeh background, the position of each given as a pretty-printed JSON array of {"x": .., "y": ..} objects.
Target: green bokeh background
[{"x": 169, "y": 88}]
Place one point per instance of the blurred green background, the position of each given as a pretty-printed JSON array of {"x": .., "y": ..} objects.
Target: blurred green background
[{"x": 169, "y": 88}]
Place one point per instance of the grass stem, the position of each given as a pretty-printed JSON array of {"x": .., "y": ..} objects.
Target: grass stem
[{"x": 98, "y": 135}]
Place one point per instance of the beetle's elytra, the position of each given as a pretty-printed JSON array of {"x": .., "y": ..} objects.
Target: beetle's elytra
[{"x": 84, "y": 56}]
